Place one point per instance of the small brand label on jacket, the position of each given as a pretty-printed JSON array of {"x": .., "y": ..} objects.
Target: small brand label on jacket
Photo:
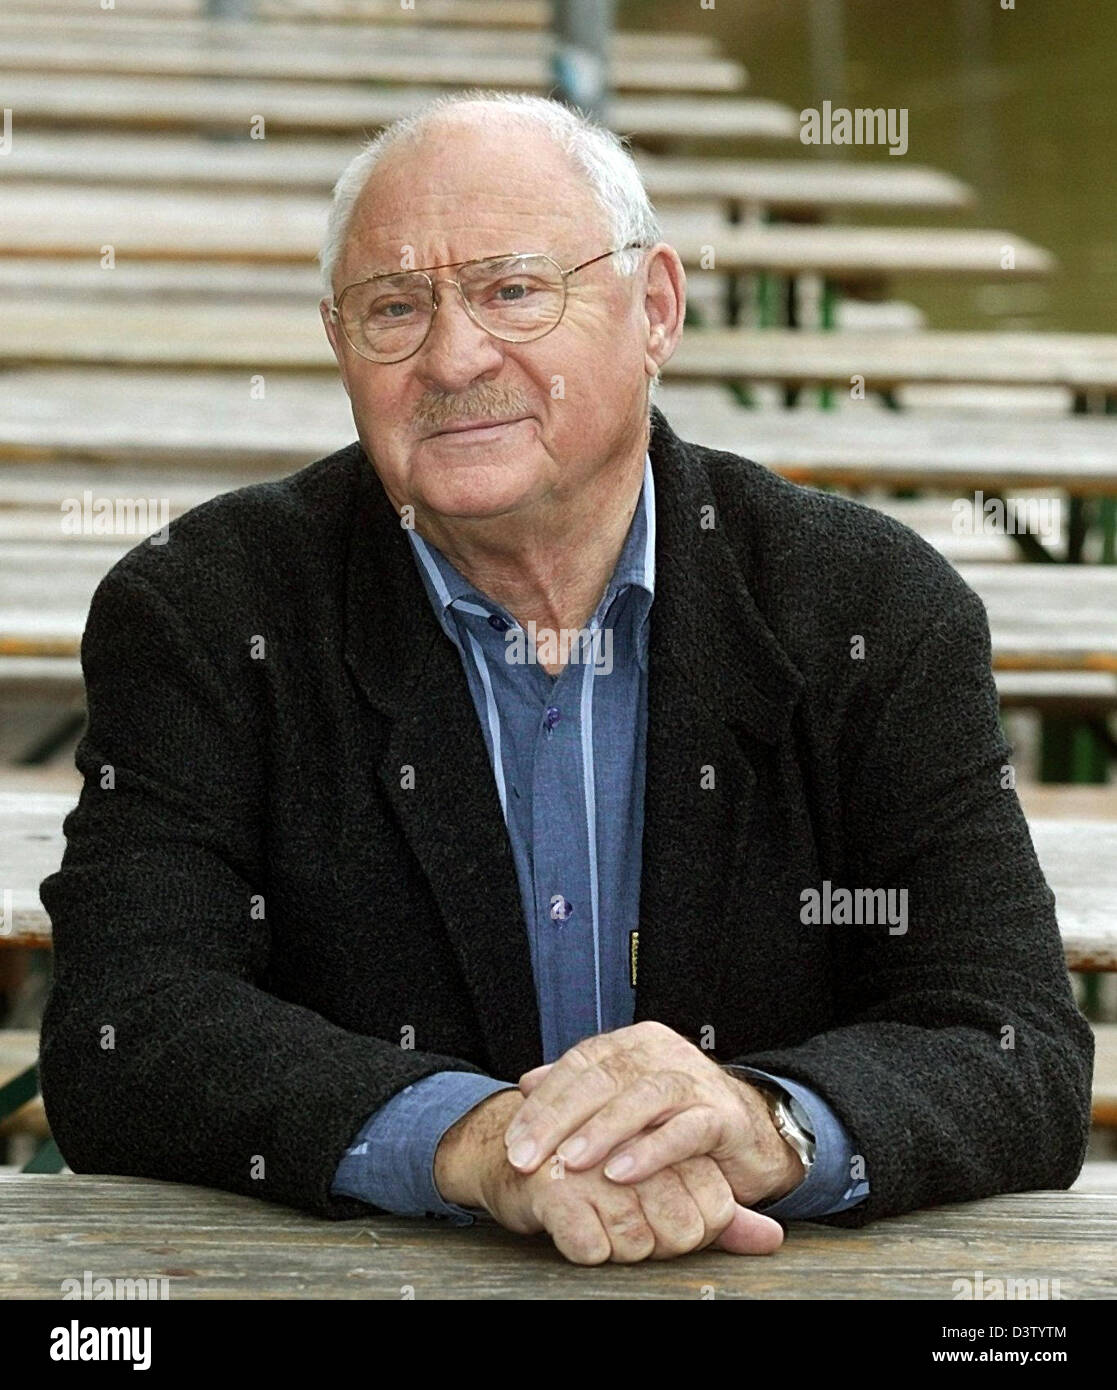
[{"x": 633, "y": 947}]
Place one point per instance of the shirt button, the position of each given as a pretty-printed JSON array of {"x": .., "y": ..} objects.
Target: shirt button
[
  {"x": 561, "y": 908},
  {"x": 551, "y": 718},
  {"x": 499, "y": 623}
]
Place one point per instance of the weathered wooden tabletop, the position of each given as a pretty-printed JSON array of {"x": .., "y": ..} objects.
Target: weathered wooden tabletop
[{"x": 210, "y": 1244}]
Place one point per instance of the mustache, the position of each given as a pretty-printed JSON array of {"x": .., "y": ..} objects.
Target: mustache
[{"x": 489, "y": 402}]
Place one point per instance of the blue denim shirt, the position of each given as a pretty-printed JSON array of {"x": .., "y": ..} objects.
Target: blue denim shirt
[{"x": 568, "y": 758}]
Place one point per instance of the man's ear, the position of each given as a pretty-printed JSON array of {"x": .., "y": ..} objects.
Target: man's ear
[
  {"x": 333, "y": 332},
  {"x": 664, "y": 306}
]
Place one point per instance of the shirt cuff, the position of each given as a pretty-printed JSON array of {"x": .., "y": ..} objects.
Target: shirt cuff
[
  {"x": 837, "y": 1179},
  {"x": 391, "y": 1163}
]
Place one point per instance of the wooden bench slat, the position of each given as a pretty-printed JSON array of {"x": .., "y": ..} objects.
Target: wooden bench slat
[
  {"x": 87, "y": 423},
  {"x": 311, "y": 60},
  {"x": 221, "y": 335},
  {"x": 263, "y": 227},
  {"x": 485, "y": 14},
  {"x": 420, "y": 34},
  {"x": 292, "y": 106},
  {"x": 301, "y": 166},
  {"x": 1105, "y": 1075}
]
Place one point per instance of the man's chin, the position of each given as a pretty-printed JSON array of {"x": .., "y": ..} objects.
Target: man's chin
[{"x": 478, "y": 491}]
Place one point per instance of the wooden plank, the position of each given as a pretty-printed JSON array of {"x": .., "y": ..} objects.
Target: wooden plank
[
  {"x": 211, "y": 1244},
  {"x": 1049, "y": 617},
  {"x": 110, "y": 53},
  {"x": 1105, "y": 1075},
  {"x": 90, "y": 420},
  {"x": 1090, "y": 693},
  {"x": 263, "y": 227},
  {"x": 1079, "y": 859},
  {"x": 162, "y": 103},
  {"x": 421, "y": 34},
  {"x": 527, "y": 14},
  {"x": 301, "y": 166},
  {"x": 1061, "y": 801},
  {"x": 881, "y": 361},
  {"x": 223, "y": 335}
]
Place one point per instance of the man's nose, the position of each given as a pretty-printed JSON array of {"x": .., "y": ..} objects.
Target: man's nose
[{"x": 457, "y": 347}]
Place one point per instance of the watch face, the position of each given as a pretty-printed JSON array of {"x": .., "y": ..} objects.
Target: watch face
[{"x": 800, "y": 1116}]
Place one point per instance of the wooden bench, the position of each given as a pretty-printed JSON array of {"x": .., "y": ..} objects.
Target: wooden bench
[
  {"x": 417, "y": 34},
  {"x": 100, "y": 427},
  {"x": 1042, "y": 617},
  {"x": 108, "y": 52},
  {"x": 264, "y": 227},
  {"x": 484, "y": 14},
  {"x": 235, "y": 104},
  {"x": 293, "y": 167},
  {"x": 222, "y": 335}
]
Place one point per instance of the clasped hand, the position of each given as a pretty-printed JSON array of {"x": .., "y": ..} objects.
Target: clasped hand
[{"x": 634, "y": 1145}]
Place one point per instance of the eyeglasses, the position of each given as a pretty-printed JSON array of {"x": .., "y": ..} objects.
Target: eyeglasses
[{"x": 517, "y": 297}]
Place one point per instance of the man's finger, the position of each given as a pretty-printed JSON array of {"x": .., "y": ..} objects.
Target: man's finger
[
  {"x": 692, "y": 1132},
  {"x": 555, "y": 1110},
  {"x": 750, "y": 1233},
  {"x": 649, "y": 1101},
  {"x": 530, "y": 1079}
]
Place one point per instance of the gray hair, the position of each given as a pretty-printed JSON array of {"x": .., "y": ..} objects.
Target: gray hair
[{"x": 595, "y": 151}]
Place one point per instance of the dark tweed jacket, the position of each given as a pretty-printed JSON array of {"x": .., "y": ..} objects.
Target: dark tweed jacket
[{"x": 251, "y": 911}]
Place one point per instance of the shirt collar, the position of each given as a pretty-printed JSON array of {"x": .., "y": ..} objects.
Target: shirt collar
[{"x": 446, "y": 587}]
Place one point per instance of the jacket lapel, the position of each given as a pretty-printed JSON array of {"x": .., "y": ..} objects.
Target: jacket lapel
[
  {"x": 721, "y": 691},
  {"x": 412, "y": 673}
]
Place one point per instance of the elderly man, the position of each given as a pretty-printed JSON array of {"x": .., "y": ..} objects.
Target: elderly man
[{"x": 526, "y": 812}]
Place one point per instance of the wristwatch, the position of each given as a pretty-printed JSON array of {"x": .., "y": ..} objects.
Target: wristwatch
[{"x": 791, "y": 1120}]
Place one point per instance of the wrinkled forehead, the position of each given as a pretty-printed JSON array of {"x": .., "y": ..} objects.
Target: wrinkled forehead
[{"x": 466, "y": 192}]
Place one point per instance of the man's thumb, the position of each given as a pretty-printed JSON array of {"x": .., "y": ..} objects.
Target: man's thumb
[{"x": 750, "y": 1233}]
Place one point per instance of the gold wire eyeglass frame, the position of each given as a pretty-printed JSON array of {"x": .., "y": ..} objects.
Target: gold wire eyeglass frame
[{"x": 335, "y": 308}]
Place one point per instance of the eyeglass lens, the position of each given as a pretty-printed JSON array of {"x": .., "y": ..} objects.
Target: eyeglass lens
[{"x": 516, "y": 299}]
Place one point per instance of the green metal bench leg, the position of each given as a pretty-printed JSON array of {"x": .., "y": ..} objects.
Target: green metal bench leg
[
  {"x": 47, "y": 1158},
  {"x": 19, "y": 1090}
]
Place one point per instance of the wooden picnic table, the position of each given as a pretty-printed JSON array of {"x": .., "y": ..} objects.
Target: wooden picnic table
[
  {"x": 311, "y": 166},
  {"x": 261, "y": 227},
  {"x": 235, "y": 104},
  {"x": 354, "y": 58},
  {"x": 212, "y": 1244},
  {"x": 1079, "y": 859}
]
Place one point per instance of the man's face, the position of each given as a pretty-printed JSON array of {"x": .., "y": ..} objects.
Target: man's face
[{"x": 577, "y": 395}]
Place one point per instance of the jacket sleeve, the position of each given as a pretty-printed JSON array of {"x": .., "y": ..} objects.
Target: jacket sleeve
[
  {"x": 163, "y": 1054},
  {"x": 959, "y": 1061}
]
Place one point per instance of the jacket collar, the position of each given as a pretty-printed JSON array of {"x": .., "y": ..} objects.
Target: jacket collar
[{"x": 720, "y": 688}]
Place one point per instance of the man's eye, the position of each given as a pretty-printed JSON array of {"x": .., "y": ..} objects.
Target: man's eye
[
  {"x": 514, "y": 291},
  {"x": 391, "y": 309}
]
